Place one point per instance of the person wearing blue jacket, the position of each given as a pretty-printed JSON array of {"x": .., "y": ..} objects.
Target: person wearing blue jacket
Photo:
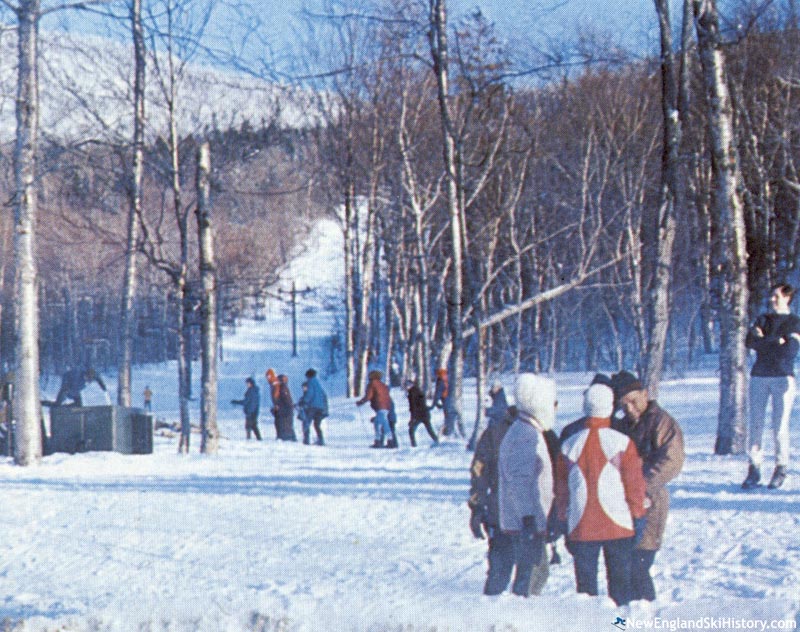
[
  {"x": 313, "y": 406},
  {"x": 251, "y": 404}
]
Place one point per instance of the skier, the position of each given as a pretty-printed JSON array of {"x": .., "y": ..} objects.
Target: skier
[
  {"x": 313, "y": 407},
  {"x": 74, "y": 381},
  {"x": 251, "y": 404},
  {"x": 284, "y": 411},
  {"x": 659, "y": 441},
  {"x": 418, "y": 408},
  {"x": 775, "y": 337},
  {"x": 148, "y": 398},
  {"x": 525, "y": 491},
  {"x": 443, "y": 398},
  {"x": 381, "y": 402},
  {"x": 274, "y": 392},
  {"x": 600, "y": 491}
]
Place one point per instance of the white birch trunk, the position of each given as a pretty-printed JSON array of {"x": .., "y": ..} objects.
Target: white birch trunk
[
  {"x": 208, "y": 277},
  {"x": 134, "y": 213},
  {"x": 729, "y": 212},
  {"x": 26, "y": 405}
]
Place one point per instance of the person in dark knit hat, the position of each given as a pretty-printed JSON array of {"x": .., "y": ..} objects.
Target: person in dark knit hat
[{"x": 659, "y": 441}]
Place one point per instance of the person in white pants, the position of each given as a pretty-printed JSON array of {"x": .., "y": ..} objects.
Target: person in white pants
[{"x": 775, "y": 337}]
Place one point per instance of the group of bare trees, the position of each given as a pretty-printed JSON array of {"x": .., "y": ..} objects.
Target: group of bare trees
[{"x": 613, "y": 218}]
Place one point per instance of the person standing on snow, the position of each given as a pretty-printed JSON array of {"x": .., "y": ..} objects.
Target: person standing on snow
[
  {"x": 659, "y": 441},
  {"x": 381, "y": 402},
  {"x": 775, "y": 337},
  {"x": 483, "y": 493},
  {"x": 284, "y": 410},
  {"x": 314, "y": 407},
  {"x": 600, "y": 492},
  {"x": 251, "y": 404},
  {"x": 274, "y": 394},
  {"x": 418, "y": 408},
  {"x": 147, "y": 396},
  {"x": 443, "y": 398},
  {"x": 525, "y": 489}
]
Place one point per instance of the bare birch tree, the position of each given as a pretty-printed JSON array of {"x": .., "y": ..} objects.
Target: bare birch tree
[
  {"x": 438, "y": 39},
  {"x": 27, "y": 407},
  {"x": 208, "y": 405},
  {"x": 730, "y": 221},
  {"x": 127, "y": 316}
]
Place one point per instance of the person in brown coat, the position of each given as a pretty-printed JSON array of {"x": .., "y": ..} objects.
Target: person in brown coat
[
  {"x": 659, "y": 441},
  {"x": 284, "y": 411},
  {"x": 381, "y": 402}
]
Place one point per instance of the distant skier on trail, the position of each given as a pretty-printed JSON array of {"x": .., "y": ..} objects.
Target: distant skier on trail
[
  {"x": 380, "y": 401},
  {"x": 420, "y": 415},
  {"x": 443, "y": 398},
  {"x": 659, "y": 441},
  {"x": 284, "y": 411},
  {"x": 274, "y": 393},
  {"x": 251, "y": 403},
  {"x": 775, "y": 337},
  {"x": 313, "y": 407}
]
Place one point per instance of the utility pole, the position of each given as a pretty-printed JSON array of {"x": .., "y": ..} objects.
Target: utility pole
[{"x": 293, "y": 294}]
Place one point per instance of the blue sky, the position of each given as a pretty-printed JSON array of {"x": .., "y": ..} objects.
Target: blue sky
[{"x": 630, "y": 22}]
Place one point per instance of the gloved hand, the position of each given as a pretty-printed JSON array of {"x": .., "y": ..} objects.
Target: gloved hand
[
  {"x": 476, "y": 523},
  {"x": 639, "y": 525}
]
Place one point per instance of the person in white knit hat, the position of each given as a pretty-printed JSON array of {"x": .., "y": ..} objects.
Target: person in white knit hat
[
  {"x": 525, "y": 488},
  {"x": 600, "y": 494}
]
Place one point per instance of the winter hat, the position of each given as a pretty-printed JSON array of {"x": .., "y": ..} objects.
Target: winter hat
[
  {"x": 536, "y": 397},
  {"x": 625, "y": 382},
  {"x": 311, "y": 373},
  {"x": 602, "y": 378},
  {"x": 598, "y": 401},
  {"x": 497, "y": 386},
  {"x": 375, "y": 375}
]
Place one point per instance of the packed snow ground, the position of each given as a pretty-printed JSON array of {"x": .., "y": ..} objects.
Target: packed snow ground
[{"x": 281, "y": 536}]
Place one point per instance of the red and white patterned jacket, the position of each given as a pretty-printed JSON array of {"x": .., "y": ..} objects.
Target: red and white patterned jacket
[{"x": 600, "y": 488}]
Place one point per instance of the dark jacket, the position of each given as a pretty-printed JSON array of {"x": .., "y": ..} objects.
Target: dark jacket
[
  {"x": 659, "y": 441},
  {"x": 417, "y": 406},
  {"x": 252, "y": 400},
  {"x": 484, "y": 479},
  {"x": 777, "y": 348},
  {"x": 284, "y": 406},
  {"x": 497, "y": 411},
  {"x": 75, "y": 380}
]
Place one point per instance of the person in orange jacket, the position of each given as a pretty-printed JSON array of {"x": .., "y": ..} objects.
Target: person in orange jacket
[
  {"x": 600, "y": 494},
  {"x": 443, "y": 398},
  {"x": 275, "y": 393}
]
